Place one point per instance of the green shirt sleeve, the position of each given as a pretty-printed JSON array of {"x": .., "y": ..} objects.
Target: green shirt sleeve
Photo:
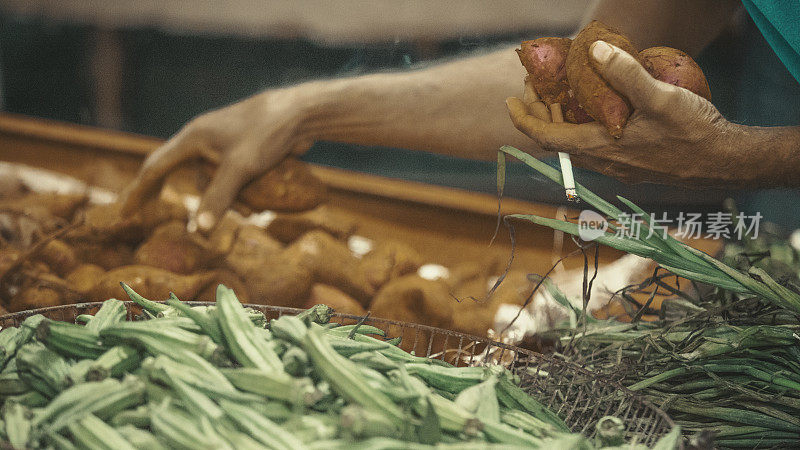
[{"x": 779, "y": 22}]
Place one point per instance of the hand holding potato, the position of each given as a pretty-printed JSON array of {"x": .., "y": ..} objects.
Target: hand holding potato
[
  {"x": 673, "y": 135},
  {"x": 246, "y": 139}
]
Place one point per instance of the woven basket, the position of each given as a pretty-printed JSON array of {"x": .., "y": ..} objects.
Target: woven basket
[{"x": 577, "y": 395}]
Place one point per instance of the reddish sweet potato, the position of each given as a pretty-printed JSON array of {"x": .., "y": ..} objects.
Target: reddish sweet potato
[
  {"x": 85, "y": 277},
  {"x": 596, "y": 96},
  {"x": 150, "y": 282},
  {"x": 336, "y": 299},
  {"x": 545, "y": 60},
  {"x": 673, "y": 66},
  {"x": 288, "y": 227},
  {"x": 59, "y": 256},
  {"x": 171, "y": 248},
  {"x": 288, "y": 187},
  {"x": 389, "y": 260},
  {"x": 331, "y": 262},
  {"x": 251, "y": 249},
  {"x": 106, "y": 223}
]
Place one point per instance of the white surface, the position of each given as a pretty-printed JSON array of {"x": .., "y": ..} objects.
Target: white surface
[{"x": 330, "y": 21}]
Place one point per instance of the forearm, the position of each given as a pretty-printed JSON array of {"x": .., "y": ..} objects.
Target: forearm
[
  {"x": 767, "y": 156},
  {"x": 454, "y": 108}
]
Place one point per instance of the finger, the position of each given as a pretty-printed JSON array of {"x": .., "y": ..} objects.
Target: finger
[
  {"x": 532, "y": 101},
  {"x": 626, "y": 75},
  {"x": 562, "y": 137},
  {"x": 155, "y": 168},
  {"x": 229, "y": 178}
]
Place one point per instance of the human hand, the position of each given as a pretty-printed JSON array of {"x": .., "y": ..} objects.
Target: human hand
[
  {"x": 673, "y": 136},
  {"x": 244, "y": 139}
]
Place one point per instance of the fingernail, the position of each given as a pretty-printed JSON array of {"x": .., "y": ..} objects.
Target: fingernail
[
  {"x": 205, "y": 220},
  {"x": 601, "y": 51}
]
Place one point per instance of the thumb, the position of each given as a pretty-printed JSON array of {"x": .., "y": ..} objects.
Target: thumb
[{"x": 627, "y": 76}]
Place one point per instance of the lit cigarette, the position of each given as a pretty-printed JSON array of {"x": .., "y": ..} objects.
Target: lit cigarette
[{"x": 563, "y": 158}]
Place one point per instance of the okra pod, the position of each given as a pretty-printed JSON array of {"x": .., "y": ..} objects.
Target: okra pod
[
  {"x": 91, "y": 433},
  {"x": 140, "y": 439},
  {"x": 111, "y": 312},
  {"x": 113, "y": 363},
  {"x": 18, "y": 424},
  {"x": 38, "y": 361},
  {"x": 260, "y": 428}
]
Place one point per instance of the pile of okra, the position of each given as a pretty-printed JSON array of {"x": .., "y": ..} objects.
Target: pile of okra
[{"x": 223, "y": 377}]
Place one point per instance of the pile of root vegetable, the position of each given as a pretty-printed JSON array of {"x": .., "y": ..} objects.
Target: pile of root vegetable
[
  {"x": 59, "y": 249},
  {"x": 223, "y": 377}
]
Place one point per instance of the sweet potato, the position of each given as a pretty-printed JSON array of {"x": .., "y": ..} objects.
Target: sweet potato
[
  {"x": 85, "y": 277},
  {"x": 229, "y": 279},
  {"x": 59, "y": 256},
  {"x": 106, "y": 223},
  {"x": 172, "y": 248},
  {"x": 224, "y": 234},
  {"x": 252, "y": 248},
  {"x": 331, "y": 262},
  {"x": 545, "y": 60},
  {"x": 106, "y": 255},
  {"x": 35, "y": 297},
  {"x": 336, "y": 299},
  {"x": 288, "y": 187},
  {"x": 596, "y": 96},
  {"x": 288, "y": 227},
  {"x": 416, "y": 300},
  {"x": 150, "y": 282},
  {"x": 277, "y": 281},
  {"x": 675, "y": 67},
  {"x": 389, "y": 260}
]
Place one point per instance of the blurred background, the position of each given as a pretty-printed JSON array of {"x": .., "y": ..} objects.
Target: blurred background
[{"x": 148, "y": 66}]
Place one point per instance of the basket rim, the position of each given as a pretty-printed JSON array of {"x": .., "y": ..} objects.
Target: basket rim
[{"x": 535, "y": 356}]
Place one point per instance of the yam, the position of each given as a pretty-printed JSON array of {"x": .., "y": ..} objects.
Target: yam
[
  {"x": 106, "y": 223},
  {"x": 474, "y": 313},
  {"x": 288, "y": 187},
  {"x": 106, "y": 255},
  {"x": 336, "y": 299},
  {"x": 288, "y": 227},
  {"x": 331, "y": 262},
  {"x": 85, "y": 277},
  {"x": 251, "y": 249},
  {"x": 596, "y": 96},
  {"x": 389, "y": 260},
  {"x": 33, "y": 297},
  {"x": 675, "y": 67},
  {"x": 545, "y": 61},
  {"x": 172, "y": 248},
  {"x": 277, "y": 281},
  {"x": 59, "y": 256},
  {"x": 150, "y": 282},
  {"x": 230, "y": 280},
  {"x": 414, "y": 299}
]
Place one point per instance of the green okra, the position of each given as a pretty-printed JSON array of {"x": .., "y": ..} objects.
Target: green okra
[
  {"x": 138, "y": 417},
  {"x": 71, "y": 340},
  {"x": 295, "y": 362},
  {"x": 363, "y": 424},
  {"x": 245, "y": 345},
  {"x": 11, "y": 384},
  {"x": 481, "y": 400},
  {"x": 91, "y": 433},
  {"x": 277, "y": 386},
  {"x": 374, "y": 360},
  {"x": 260, "y": 428},
  {"x": 31, "y": 399},
  {"x": 18, "y": 424},
  {"x": 206, "y": 321},
  {"x": 319, "y": 314},
  {"x": 11, "y": 339},
  {"x": 451, "y": 379},
  {"x": 111, "y": 312},
  {"x": 180, "y": 430},
  {"x": 138, "y": 438},
  {"x": 514, "y": 397},
  {"x": 103, "y": 398},
  {"x": 39, "y": 362},
  {"x": 152, "y": 307},
  {"x": 158, "y": 340},
  {"x": 114, "y": 362},
  {"x": 343, "y": 375},
  {"x": 524, "y": 421},
  {"x": 345, "y": 330}
]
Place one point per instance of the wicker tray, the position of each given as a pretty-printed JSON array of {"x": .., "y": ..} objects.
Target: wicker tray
[{"x": 574, "y": 393}]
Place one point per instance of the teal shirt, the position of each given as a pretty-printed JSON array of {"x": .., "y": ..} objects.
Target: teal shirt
[{"x": 779, "y": 22}]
